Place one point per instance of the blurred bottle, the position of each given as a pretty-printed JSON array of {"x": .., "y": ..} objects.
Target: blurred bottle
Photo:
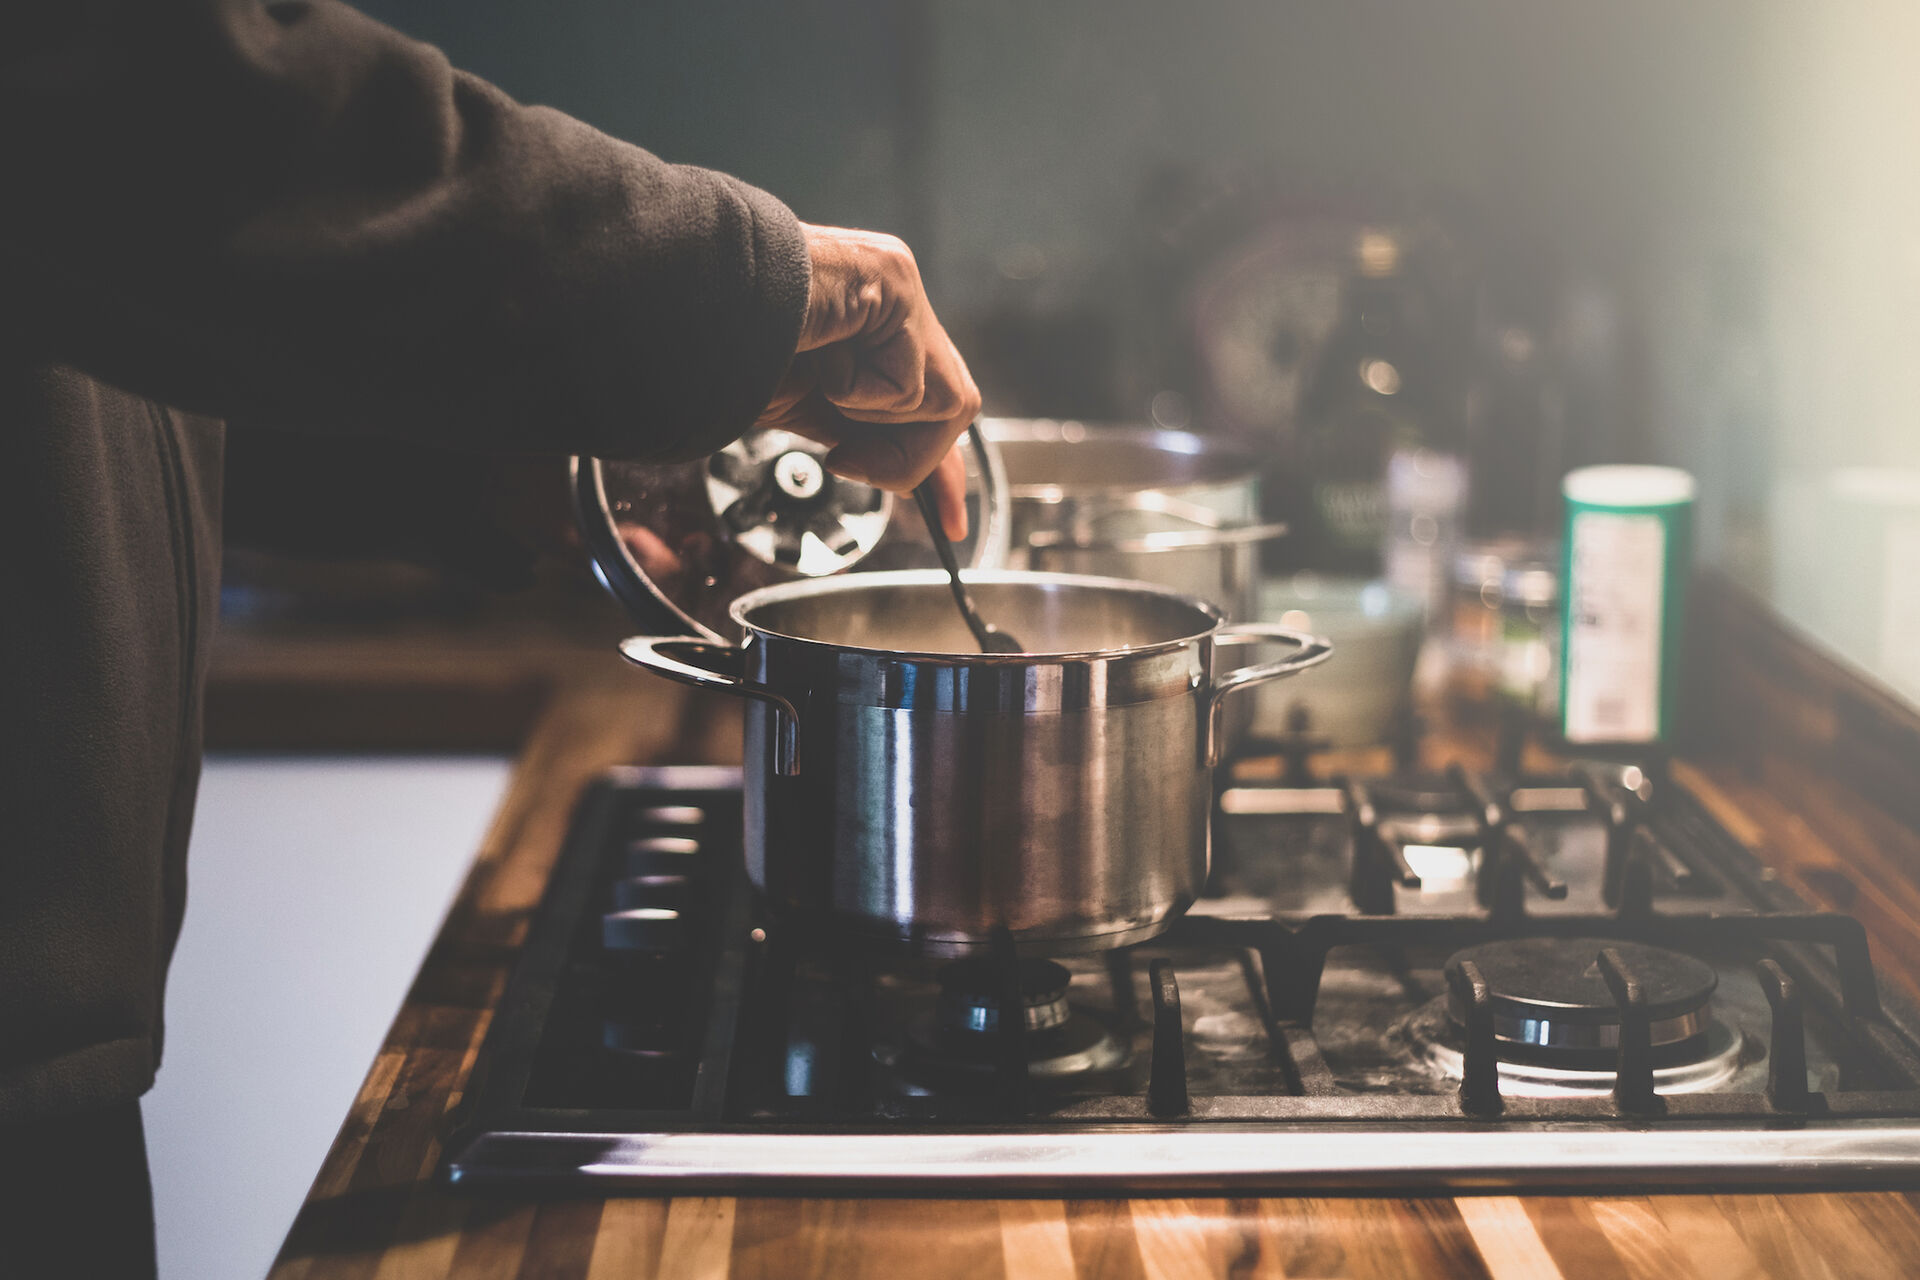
[
  {"x": 1370, "y": 396},
  {"x": 1426, "y": 505},
  {"x": 1505, "y": 622},
  {"x": 1515, "y": 428}
]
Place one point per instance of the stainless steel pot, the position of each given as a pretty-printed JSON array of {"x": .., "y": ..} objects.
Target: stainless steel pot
[
  {"x": 1146, "y": 543},
  {"x": 1166, "y": 507},
  {"x": 1089, "y": 468},
  {"x": 905, "y": 787}
]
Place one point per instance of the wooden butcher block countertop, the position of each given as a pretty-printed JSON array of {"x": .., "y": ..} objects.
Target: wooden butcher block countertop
[{"x": 376, "y": 1210}]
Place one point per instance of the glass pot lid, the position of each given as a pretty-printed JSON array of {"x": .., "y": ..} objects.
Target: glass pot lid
[{"x": 677, "y": 542}]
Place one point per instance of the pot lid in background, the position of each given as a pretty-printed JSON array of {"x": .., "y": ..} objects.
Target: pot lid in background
[{"x": 677, "y": 542}]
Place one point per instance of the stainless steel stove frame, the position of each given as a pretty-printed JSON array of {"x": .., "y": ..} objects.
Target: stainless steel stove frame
[
  {"x": 1162, "y": 1139},
  {"x": 1273, "y": 1156}
]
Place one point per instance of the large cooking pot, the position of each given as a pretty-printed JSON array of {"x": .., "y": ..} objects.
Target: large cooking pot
[
  {"x": 1087, "y": 468},
  {"x": 1135, "y": 502},
  {"x": 901, "y": 785},
  {"x": 1146, "y": 542}
]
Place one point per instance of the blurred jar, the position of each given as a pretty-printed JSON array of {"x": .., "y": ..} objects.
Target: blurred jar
[
  {"x": 1529, "y": 647},
  {"x": 1629, "y": 537},
  {"x": 1505, "y": 622}
]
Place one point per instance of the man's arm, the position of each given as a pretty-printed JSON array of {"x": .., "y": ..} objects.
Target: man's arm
[{"x": 292, "y": 214}]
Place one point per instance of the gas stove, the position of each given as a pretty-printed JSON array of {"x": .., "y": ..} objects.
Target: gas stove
[{"x": 1423, "y": 980}]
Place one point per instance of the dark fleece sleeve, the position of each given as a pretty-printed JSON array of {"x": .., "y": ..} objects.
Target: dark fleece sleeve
[{"x": 289, "y": 214}]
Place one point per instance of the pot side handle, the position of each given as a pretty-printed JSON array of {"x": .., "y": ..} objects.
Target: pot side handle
[
  {"x": 669, "y": 656},
  {"x": 1309, "y": 651}
]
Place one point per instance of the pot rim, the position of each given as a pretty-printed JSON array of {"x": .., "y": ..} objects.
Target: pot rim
[
  {"x": 1161, "y": 541},
  {"x": 851, "y": 582}
]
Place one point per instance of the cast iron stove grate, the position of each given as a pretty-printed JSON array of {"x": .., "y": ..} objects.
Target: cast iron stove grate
[{"x": 657, "y": 1035}]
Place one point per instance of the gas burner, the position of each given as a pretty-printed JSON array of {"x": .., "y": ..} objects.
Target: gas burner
[
  {"x": 1718, "y": 1055},
  {"x": 970, "y": 996},
  {"x": 1551, "y": 1005},
  {"x": 958, "y": 1044},
  {"x": 1558, "y": 1028}
]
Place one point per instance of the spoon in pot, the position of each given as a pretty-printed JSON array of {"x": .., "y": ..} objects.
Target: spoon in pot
[{"x": 991, "y": 638}]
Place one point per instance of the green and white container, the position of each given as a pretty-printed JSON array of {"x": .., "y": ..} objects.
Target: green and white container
[{"x": 1628, "y": 551}]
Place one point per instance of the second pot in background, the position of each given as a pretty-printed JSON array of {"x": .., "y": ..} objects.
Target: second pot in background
[{"x": 1135, "y": 502}]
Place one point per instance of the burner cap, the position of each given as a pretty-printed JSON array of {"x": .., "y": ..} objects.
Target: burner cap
[
  {"x": 970, "y": 994},
  {"x": 1548, "y": 993},
  {"x": 954, "y": 1045}
]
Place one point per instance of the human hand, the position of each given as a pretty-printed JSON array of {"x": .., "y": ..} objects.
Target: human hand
[{"x": 876, "y": 377}]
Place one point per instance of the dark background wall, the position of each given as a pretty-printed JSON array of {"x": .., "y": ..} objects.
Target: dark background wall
[
  {"x": 805, "y": 99},
  {"x": 979, "y": 127},
  {"x": 1727, "y": 190}
]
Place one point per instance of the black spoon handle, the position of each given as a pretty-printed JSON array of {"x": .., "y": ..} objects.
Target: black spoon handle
[{"x": 930, "y": 512}]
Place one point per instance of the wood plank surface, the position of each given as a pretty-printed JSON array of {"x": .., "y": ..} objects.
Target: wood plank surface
[{"x": 376, "y": 1213}]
